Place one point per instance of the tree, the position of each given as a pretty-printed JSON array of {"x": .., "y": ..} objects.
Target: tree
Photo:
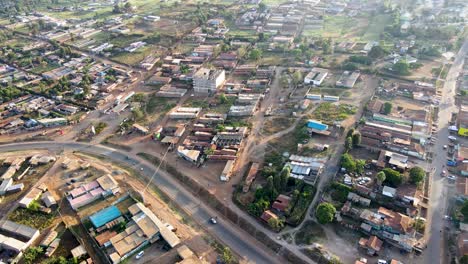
[
  {"x": 297, "y": 77},
  {"x": 350, "y": 132},
  {"x": 275, "y": 223},
  {"x": 325, "y": 213},
  {"x": 376, "y": 52},
  {"x": 387, "y": 108},
  {"x": 31, "y": 254},
  {"x": 262, "y": 7},
  {"x": 261, "y": 36},
  {"x": 356, "y": 139},
  {"x": 116, "y": 9},
  {"x": 419, "y": 225},
  {"x": 241, "y": 52},
  {"x": 417, "y": 175},
  {"x": 227, "y": 256},
  {"x": 349, "y": 66},
  {"x": 222, "y": 98},
  {"x": 380, "y": 176},
  {"x": 285, "y": 173},
  {"x": 392, "y": 177},
  {"x": 138, "y": 114},
  {"x": 401, "y": 67},
  {"x": 255, "y": 54},
  {"x": 360, "y": 163},
  {"x": 464, "y": 209},
  {"x": 349, "y": 143},
  {"x": 270, "y": 190},
  {"x": 348, "y": 162}
]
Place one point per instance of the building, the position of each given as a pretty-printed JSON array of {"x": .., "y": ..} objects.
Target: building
[
  {"x": 188, "y": 154},
  {"x": 87, "y": 193},
  {"x": 32, "y": 195},
  {"x": 145, "y": 228},
  {"x": 208, "y": 81},
  {"x": 281, "y": 204},
  {"x": 104, "y": 216},
  {"x": 185, "y": 113},
  {"x": 371, "y": 244},
  {"x": 316, "y": 76},
  {"x": 227, "y": 171},
  {"x": 348, "y": 79},
  {"x": 16, "y": 238}
]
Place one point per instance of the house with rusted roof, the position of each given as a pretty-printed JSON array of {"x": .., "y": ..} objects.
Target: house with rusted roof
[
  {"x": 372, "y": 244},
  {"x": 281, "y": 203}
]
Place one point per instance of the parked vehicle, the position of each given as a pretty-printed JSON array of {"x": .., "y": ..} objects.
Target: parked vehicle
[
  {"x": 452, "y": 138},
  {"x": 213, "y": 220},
  {"x": 140, "y": 255},
  {"x": 451, "y": 163}
]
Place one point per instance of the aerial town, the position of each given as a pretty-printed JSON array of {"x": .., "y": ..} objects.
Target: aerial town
[{"x": 223, "y": 131}]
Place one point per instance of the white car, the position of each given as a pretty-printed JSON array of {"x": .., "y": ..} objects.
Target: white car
[
  {"x": 451, "y": 177},
  {"x": 452, "y": 138},
  {"x": 140, "y": 255},
  {"x": 381, "y": 261},
  {"x": 445, "y": 146},
  {"x": 213, "y": 220}
]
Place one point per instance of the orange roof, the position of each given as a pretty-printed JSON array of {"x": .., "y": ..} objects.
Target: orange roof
[
  {"x": 396, "y": 221},
  {"x": 373, "y": 243},
  {"x": 281, "y": 203},
  {"x": 267, "y": 215}
]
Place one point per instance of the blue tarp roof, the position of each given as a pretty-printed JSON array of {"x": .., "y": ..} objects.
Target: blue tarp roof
[
  {"x": 104, "y": 216},
  {"x": 316, "y": 125}
]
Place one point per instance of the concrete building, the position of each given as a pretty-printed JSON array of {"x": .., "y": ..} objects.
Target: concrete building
[
  {"x": 316, "y": 76},
  {"x": 207, "y": 81}
]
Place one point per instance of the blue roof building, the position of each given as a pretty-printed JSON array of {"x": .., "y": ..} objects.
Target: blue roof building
[
  {"x": 317, "y": 125},
  {"x": 105, "y": 216}
]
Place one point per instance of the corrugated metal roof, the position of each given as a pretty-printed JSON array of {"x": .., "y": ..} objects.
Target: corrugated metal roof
[{"x": 102, "y": 217}]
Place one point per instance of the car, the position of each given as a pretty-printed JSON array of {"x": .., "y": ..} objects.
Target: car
[
  {"x": 445, "y": 146},
  {"x": 381, "y": 261},
  {"x": 452, "y": 177},
  {"x": 446, "y": 217},
  {"x": 141, "y": 169},
  {"x": 140, "y": 255},
  {"x": 452, "y": 138},
  {"x": 443, "y": 173},
  {"x": 213, "y": 220}
]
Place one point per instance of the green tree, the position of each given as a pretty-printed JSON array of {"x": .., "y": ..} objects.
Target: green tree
[
  {"x": 31, "y": 254},
  {"x": 464, "y": 210},
  {"x": 380, "y": 176},
  {"x": 297, "y": 77},
  {"x": 222, "y": 98},
  {"x": 255, "y": 54},
  {"x": 285, "y": 173},
  {"x": 360, "y": 163},
  {"x": 356, "y": 139},
  {"x": 419, "y": 225},
  {"x": 275, "y": 223},
  {"x": 401, "y": 68},
  {"x": 325, "y": 213},
  {"x": 350, "y": 132},
  {"x": 376, "y": 52},
  {"x": 393, "y": 177},
  {"x": 270, "y": 189},
  {"x": 348, "y": 162},
  {"x": 387, "y": 108},
  {"x": 417, "y": 175},
  {"x": 349, "y": 143},
  {"x": 227, "y": 256}
]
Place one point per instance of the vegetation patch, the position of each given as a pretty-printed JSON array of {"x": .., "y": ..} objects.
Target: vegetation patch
[
  {"x": 32, "y": 218},
  {"x": 309, "y": 233},
  {"x": 328, "y": 112}
]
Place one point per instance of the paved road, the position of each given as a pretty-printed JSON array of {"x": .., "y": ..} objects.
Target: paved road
[
  {"x": 238, "y": 240},
  {"x": 438, "y": 199}
]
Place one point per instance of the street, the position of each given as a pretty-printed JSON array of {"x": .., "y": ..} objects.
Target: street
[
  {"x": 238, "y": 240},
  {"x": 438, "y": 199}
]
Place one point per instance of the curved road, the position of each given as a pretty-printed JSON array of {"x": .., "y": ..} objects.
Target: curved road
[{"x": 238, "y": 240}]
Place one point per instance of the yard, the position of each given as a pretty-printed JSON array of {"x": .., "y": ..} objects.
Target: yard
[
  {"x": 329, "y": 113},
  {"x": 31, "y": 218},
  {"x": 310, "y": 232}
]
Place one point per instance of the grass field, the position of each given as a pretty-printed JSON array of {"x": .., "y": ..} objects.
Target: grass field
[{"x": 376, "y": 27}]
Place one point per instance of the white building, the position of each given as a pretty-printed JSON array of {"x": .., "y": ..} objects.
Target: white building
[
  {"x": 206, "y": 80},
  {"x": 316, "y": 76}
]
